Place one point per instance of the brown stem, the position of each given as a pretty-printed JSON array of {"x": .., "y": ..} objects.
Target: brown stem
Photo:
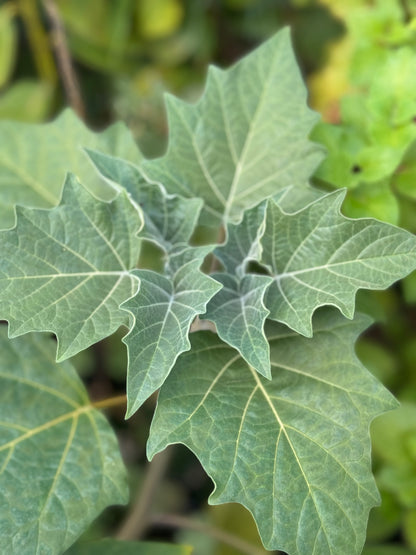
[
  {"x": 138, "y": 518},
  {"x": 174, "y": 521},
  {"x": 63, "y": 58}
]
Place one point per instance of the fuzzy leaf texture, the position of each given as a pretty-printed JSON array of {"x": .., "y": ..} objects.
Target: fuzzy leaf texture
[
  {"x": 66, "y": 270},
  {"x": 294, "y": 450},
  {"x": 34, "y": 159},
  {"x": 169, "y": 220},
  {"x": 165, "y": 305},
  {"x": 163, "y": 311},
  {"x": 318, "y": 257},
  {"x": 245, "y": 139},
  {"x": 60, "y": 465}
]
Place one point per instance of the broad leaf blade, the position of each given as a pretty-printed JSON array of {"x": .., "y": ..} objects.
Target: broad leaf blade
[
  {"x": 238, "y": 313},
  {"x": 66, "y": 270},
  {"x": 60, "y": 465},
  {"x": 245, "y": 139},
  {"x": 162, "y": 311},
  {"x": 169, "y": 220},
  {"x": 34, "y": 159},
  {"x": 295, "y": 450},
  {"x": 318, "y": 257}
]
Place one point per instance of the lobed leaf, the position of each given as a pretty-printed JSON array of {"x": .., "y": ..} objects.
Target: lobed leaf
[
  {"x": 238, "y": 313},
  {"x": 294, "y": 450},
  {"x": 66, "y": 270},
  {"x": 245, "y": 139},
  {"x": 318, "y": 257},
  {"x": 34, "y": 160},
  {"x": 169, "y": 220},
  {"x": 60, "y": 464},
  {"x": 163, "y": 311}
]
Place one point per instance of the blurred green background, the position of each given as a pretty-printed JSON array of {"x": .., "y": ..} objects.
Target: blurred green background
[{"x": 358, "y": 58}]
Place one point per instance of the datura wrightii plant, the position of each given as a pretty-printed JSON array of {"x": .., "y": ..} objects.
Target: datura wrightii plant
[{"x": 272, "y": 398}]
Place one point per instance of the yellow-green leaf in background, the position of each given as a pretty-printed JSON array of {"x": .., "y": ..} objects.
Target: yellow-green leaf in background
[{"x": 8, "y": 40}]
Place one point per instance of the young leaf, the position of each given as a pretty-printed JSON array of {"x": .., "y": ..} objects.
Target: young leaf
[
  {"x": 245, "y": 139},
  {"x": 238, "y": 313},
  {"x": 66, "y": 270},
  {"x": 163, "y": 311},
  {"x": 60, "y": 464},
  {"x": 318, "y": 257},
  {"x": 295, "y": 450},
  {"x": 243, "y": 241},
  {"x": 169, "y": 220},
  {"x": 34, "y": 160}
]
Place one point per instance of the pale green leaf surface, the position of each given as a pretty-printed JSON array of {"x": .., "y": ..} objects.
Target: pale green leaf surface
[
  {"x": 118, "y": 547},
  {"x": 295, "y": 450},
  {"x": 60, "y": 464},
  {"x": 162, "y": 311},
  {"x": 169, "y": 220},
  {"x": 238, "y": 313},
  {"x": 243, "y": 241},
  {"x": 245, "y": 139},
  {"x": 318, "y": 257},
  {"x": 66, "y": 270},
  {"x": 34, "y": 159}
]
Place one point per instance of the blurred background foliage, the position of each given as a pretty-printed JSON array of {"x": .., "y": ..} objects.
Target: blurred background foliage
[{"x": 358, "y": 58}]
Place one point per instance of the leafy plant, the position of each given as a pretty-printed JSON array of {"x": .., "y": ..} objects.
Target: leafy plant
[{"x": 275, "y": 405}]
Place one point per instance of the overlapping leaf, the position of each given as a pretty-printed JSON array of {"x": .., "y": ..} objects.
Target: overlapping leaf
[
  {"x": 60, "y": 465},
  {"x": 66, "y": 270},
  {"x": 245, "y": 139},
  {"x": 163, "y": 311},
  {"x": 169, "y": 220},
  {"x": 318, "y": 257},
  {"x": 238, "y": 313},
  {"x": 295, "y": 450},
  {"x": 34, "y": 159}
]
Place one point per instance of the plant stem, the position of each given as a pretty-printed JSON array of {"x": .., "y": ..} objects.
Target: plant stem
[
  {"x": 110, "y": 402},
  {"x": 63, "y": 58},
  {"x": 174, "y": 521},
  {"x": 139, "y": 517},
  {"x": 38, "y": 40}
]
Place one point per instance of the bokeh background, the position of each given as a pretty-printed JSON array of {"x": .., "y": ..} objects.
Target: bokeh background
[{"x": 114, "y": 60}]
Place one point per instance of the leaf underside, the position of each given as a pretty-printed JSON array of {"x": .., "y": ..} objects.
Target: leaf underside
[
  {"x": 60, "y": 465},
  {"x": 294, "y": 450}
]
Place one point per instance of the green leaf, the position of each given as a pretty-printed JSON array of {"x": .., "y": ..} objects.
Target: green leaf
[
  {"x": 34, "y": 160},
  {"x": 162, "y": 311},
  {"x": 238, "y": 313},
  {"x": 243, "y": 241},
  {"x": 8, "y": 42},
  {"x": 117, "y": 547},
  {"x": 295, "y": 450},
  {"x": 66, "y": 270},
  {"x": 60, "y": 464},
  {"x": 169, "y": 220},
  {"x": 318, "y": 257},
  {"x": 245, "y": 139}
]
